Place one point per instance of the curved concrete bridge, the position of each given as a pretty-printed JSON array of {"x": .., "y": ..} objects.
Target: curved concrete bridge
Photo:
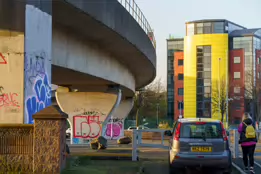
[{"x": 95, "y": 51}]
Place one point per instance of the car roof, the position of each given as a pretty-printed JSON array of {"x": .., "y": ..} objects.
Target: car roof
[{"x": 210, "y": 120}]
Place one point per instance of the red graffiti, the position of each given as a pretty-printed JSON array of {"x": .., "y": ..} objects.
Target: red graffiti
[
  {"x": 86, "y": 126},
  {"x": 7, "y": 100},
  {"x": 2, "y": 59}
]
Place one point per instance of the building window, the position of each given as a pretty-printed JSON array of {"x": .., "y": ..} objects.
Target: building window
[
  {"x": 180, "y": 62},
  {"x": 207, "y": 28},
  {"x": 180, "y": 105},
  {"x": 180, "y": 76},
  {"x": 203, "y": 81},
  {"x": 180, "y": 91},
  {"x": 236, "y": 59},
  {"x": 236, "y": 90},
  {"x": 219, "y": 27},
  {"x": 190, "y": 29},
  {"x": 237, "y": 106},
  {"x": 236, "y": 75},
  {"x": 199, "y": 28}
]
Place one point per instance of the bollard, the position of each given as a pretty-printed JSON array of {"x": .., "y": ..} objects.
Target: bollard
[{"x": 134, "y": 145}]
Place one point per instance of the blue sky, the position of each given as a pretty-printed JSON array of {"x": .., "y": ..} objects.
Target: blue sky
[{"x": 169, "y": 17}]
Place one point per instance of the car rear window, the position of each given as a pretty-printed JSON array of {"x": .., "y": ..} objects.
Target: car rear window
[{"x": 201, "y": 130}]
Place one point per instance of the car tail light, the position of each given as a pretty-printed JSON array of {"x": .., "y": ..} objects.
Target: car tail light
[
  {"x": 200, "y": 123},
  {"x": 224, "y": 133},
  {"x": 177, "y": 132}
]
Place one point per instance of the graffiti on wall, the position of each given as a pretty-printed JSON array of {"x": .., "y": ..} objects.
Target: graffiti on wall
[
  {"x": 114, "y": 128},
  {"x": 37, "y": 62},
  {"x": 2, "y": 59},
  {"x": 34, "y": 66},
  {"x": 8, "y": 101},
  {"x": 40, "y": 99},
  {"x": 86, "y": 127}
]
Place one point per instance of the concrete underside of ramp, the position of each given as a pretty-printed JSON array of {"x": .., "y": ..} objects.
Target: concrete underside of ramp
[
  {"x": 87, "y": 112},
  {"x": 123, "y": 50}
]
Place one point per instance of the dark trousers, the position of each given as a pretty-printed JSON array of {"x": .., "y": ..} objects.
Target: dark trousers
[{"x": 248, "y": 154}]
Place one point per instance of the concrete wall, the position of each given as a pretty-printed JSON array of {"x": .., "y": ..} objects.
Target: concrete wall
[
  {"x": 70, "y": 51},
  {"x": 11, "y": 76},
  {"x": 115, "y": 125},
  {"x": 11, "y": 61},
  {"x": 87, "y": 111},
  {"x": 37, "y": 73}
]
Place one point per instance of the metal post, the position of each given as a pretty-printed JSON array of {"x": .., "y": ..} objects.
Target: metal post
[
  {"x": 139, "y": 136},
  {"x": 157, "y": 114},
  {"x": 235, "y": 144},
  {"x": 227, "y": 86},
  {"x": 219, "y": 87},
  {"x": 134, "y": 145},
  {"x": 162, "y": 138}
]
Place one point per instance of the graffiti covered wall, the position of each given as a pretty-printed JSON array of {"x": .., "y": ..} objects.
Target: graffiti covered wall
[
  {"x": 87, "y": 127},
  {"x": 87, "y": 112},
  {"x": 114, "y": 128},
  {"x": 11, "y": 76},
  {"x": 37, "y": 64}
]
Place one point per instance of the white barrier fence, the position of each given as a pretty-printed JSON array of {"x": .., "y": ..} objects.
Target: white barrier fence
[
  {"x": 137, "y": 141},
  {"x": 235, "y": 146}
]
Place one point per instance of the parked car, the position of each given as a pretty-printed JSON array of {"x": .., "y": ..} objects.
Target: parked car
[
  {"x": 140, "y": 127},
  {"x": 199, "y": 143},
  {"x": 68, "y": 133}
]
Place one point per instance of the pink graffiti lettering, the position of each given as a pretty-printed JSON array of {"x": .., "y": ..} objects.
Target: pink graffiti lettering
[
  {"x": 7, "y": 100},
  {"x": 86, "y": 126},
  {"x": 113, "y": 130}
]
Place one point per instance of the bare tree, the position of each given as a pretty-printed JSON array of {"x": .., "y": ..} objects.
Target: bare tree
[
  {"x": 252, "y": 91},
  {"x": 219, "y": 98}
]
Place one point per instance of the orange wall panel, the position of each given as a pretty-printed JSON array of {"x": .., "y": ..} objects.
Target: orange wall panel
[{"x": 178, "y": 69}]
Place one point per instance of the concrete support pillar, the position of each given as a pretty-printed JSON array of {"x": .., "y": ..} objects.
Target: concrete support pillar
[
  {"x": 87, "y": 112},
  {"x": 115, "y": 125},
  {"x": 38, "y": 61},
  {"x": 25, "y": 59}
]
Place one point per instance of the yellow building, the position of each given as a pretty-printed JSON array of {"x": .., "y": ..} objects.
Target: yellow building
[{"x": 205, "y": 65}]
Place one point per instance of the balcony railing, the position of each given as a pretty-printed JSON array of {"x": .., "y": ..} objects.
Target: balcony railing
[{"x": 137, "y": 14}]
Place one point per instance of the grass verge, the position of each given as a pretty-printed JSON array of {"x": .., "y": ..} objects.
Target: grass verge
[{"x": 84, "y": 164}]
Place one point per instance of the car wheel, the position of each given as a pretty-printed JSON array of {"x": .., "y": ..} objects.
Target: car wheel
[{"x": 173, "y": 170}]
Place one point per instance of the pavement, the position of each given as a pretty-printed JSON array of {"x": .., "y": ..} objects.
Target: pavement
[{"x": 239, "y": 162}]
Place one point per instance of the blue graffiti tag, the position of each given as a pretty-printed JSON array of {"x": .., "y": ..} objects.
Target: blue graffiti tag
[
  {"x": 42, "y": 98},
  {"x": 76, "y": 140}
]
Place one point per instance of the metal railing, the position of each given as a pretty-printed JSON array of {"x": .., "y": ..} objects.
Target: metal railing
[
  {"x": 137, "y": 141},
  {"x": 235, "y": 146},
  {"x": 137, "y": 14}
]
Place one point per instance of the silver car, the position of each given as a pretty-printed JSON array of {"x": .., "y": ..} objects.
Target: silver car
[{"x": 199, "y": 143}]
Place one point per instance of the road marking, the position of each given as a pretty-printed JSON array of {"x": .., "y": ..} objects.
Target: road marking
[
  {"x": 238, "y": 168},
  {"x": 259, "y": 165}
]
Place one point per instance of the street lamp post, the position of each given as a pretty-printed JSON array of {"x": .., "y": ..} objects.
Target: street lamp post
[{"x": 157, "y": 114}]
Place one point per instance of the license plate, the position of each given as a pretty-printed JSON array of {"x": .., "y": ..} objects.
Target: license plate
[{"x": 201, "y": 149}]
